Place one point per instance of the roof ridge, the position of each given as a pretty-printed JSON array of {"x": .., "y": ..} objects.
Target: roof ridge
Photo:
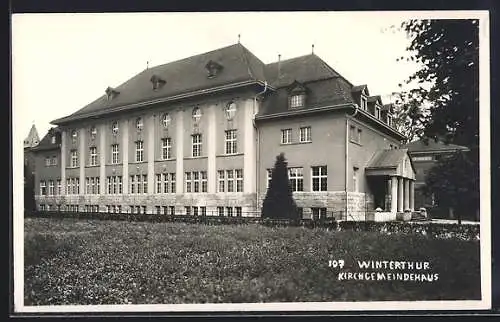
[
  {"x": 289, "y": 59},
  {"x": 246, "y": 60}
]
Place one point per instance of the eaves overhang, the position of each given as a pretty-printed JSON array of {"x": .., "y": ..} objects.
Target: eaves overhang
[{"x": 173, "y": 98}]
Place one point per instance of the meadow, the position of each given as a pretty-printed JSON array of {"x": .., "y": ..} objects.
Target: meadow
[{"x": 78, "y": 261}]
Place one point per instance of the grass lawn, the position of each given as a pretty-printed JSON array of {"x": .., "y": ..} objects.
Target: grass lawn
[{"x": 70, "y": 261}]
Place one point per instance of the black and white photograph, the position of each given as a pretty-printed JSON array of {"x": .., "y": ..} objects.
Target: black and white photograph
[{"x": 251, "y": 161}]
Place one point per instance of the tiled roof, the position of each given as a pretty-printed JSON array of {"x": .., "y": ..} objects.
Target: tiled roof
[
  {"x": 358, "y": 88},
  {"x": 32, "y": 139},
  {"x": 46, "y": 142},
  {"x": 374, "y": 98},
  {"x": 432, "y": 146},
  {"x": 387, "y": 158},
  {"x": 182, "y": 76},
  {"x": 302, "y": 69}
]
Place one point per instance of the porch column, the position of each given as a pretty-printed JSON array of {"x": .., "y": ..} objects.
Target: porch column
[
  {"x": 412, "y": 194},
  {"x": 400, "y": 194},
  {"x": 394, "y": 194},
  {"x": 407, "y": 194}
]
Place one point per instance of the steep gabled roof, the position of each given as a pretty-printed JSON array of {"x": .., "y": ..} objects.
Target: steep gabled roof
[
  {"x": 182, "y": 76},
  {"x": 32, "y": 139},
  {"x": 46, "y": 142}
]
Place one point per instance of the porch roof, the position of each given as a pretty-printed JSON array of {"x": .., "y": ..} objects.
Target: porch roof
[{"x": 393, "y": 162}]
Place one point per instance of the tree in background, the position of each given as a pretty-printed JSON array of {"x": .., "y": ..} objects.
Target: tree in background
[
  {"x": 454, "y": 181},
  {"x": 448, "y": 52},
  {"x": 279, "y": 202},
  {"x": 408, "y": 115}
]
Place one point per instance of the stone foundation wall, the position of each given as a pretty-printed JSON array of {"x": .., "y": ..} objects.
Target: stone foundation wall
[{"x": 247, "y": 201}]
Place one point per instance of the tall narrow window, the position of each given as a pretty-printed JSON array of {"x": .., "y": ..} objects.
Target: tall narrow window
[
  {"x": 196, "y": 181},
  {"x": 230, "y": 180},
  {"x": 144, "y": 183},
  {"x": 74, "y": 158},
  {"x": 166, "y": 148},
  {"x": 358, "y": 138},
  {"x": 159, "y": 183},
  {"x": 47, "y": 161},
  {"x": 377, "y": 112},
  {"x": 204, "y": 182},
  {"x": 196, "y": 145},
  {"x": 220, "y": 180},
  {"x": 59, "y": 187},
  {"x": 286, "y": 136},
  {"x": 93, "y": 155},
  {"x": 229, "y": 211},
  {"x": 238, "y": 211},
  {"x": 269, "y": 177},
  {"x": 296, "y": 178},
  {"x": 139, "y": 151},
  {"x": 319, "y": 178},
  {"x": 115, "y": 154},
  {"x": 363, "y": 102},
  {"x": 172, "y": 182},
  {"x": 305, "y": 134},
  {"x": 239, "y": 180},
  {"x": 231, "y": 142},
  {"x": 188, "y": 181},
  {"x": 355, "y": 179},
  {"x": 51, "y": 187},
  {"x": 220, "y": 211}
]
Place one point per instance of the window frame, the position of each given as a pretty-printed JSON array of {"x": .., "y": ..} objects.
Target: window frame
[
  {"x": 231, "y": 145},
  {"x": 297, "y": 100},
  {"x": 74, "y": 158},
  {"x": 296, "y": 178},
  {"x": 166, "y": 148},
  {"x": 92, "y": 156},
  {"x": 319, "y": 177},
  {"x": 115, "y": 155},
  {"x": 286, "y": 133},
  {"x": 139, "y": 151},
  {"x": 196, "y": 145},
  {"x": 305, "y": 134}
]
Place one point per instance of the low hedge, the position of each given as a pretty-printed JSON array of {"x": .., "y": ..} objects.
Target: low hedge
[{"x": 427, "y": 228}]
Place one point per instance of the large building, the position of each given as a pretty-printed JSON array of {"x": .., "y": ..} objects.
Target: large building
[{"x": 199, "y": 136}]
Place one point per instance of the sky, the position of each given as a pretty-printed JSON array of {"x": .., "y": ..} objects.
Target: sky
[{"x": 62, "y": 62}]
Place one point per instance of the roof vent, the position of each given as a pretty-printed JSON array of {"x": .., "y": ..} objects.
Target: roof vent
[
  {"x": 111, "y": 93},
  {"x": 157, "y": 82},
  {"x": 213, "y": 68}
]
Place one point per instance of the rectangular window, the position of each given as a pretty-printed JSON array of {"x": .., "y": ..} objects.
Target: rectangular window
[
  {"x": 239, "y": 180},
  {"x": 43, "y": 188},
  {"x": 132, "y": 184},
  {"x": 42, "y": 207},
  {"x": 166, "y": 148},
  {"x": 220, "y": 211},
  {"x": 352, "y": 132},
  {"x": 77, "y": 185},
  {"x": 389, "y": 120},
  {"x": 144, "y": 183},
  {"x": 195, "y": 211},
  {"x": 74, "y": 158},
  {"x": 115, "y": 154},
  {"x": 188, "y": 181},
  {"x": 204, "y": 182},
  {"x": 59, "y": 187},
  {"x": 144, "y": 210},
  {"x": 119, "y": 209},
  {"x": 229, "y": 211},
  {"x": 159, "y": 183},
  {"x": 364, "y": 104},
  {"x": 196, "y": 181},
  {"x": 297, "y": 101},
  {"x": 51, "y": 187},
  {"x": 53, "y": 160},
  {"x": 377, "y": 112},
  {"x": 358, "y": 139},
  {"x": 231, "y": 142},
  {"x": 114, "y": 184},
  {"x": 296, "y": 178},
  {"x": 93, "y": 156},
  {"x": 238, "y": 211},
  {"x": 187, "y": 210},
  {"x": 355, "y": 179},
  {"x": 172, "y": 210},
  {"x": 305, "y": 134},
  {"x": 230, "y": 180},
  {"x": 172, "y": 182},
  {"x": 286, "y": 136},
  {"x": 319, "y": 178},
  {"x": 158, "y": 210},
  {"x": 203, "y": 211},
  {"x": 318, "y": 213},
  {"x": 220, "y": 180},
  {"x": 139, "y": 151},
  {"x": 47, "y": 161},
  {"x": 87, "y": 185},
  {"x": 196, "y": 145}
]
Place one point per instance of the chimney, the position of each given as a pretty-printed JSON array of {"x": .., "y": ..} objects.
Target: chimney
[{"x": 279, "y": 66}]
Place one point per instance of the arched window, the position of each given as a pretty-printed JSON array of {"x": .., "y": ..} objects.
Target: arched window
[{"x": 230, "y": 110}]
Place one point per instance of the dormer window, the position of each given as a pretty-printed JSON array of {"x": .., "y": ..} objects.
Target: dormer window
[
  {"x": 389, "y": 120},
  {"x": 157, "y": 82},
  {"x": 363, "y": 102},
  {"x": 377, "y": 112},
  {"x": 111, "y": 93},
  {"x": 297, "y": 100},
  {"x": 213, "y": 68}
]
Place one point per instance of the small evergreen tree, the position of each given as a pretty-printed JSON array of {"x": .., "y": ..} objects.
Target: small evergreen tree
[{"x": 279, "y": 202}]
